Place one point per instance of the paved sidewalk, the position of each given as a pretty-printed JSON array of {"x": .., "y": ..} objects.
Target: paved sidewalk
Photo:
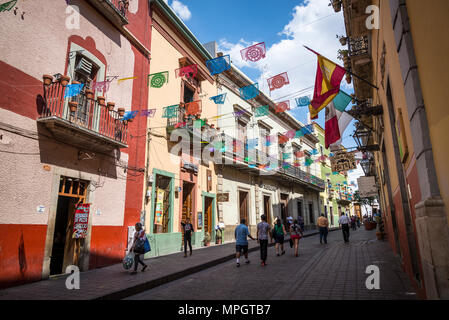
[{"x": 114, "y": 282}]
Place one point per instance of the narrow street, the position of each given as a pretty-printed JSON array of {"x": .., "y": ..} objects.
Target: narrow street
[{"x": 332, "y": 271}]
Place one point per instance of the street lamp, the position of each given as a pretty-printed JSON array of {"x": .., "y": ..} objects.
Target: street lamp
[
  {"x": 366, "y": 164},
  {"x": 361, "y": 135}
]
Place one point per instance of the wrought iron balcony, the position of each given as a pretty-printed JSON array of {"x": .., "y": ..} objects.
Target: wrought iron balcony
[
  {"x": 359, "y": 47},
  {"x": 115, "y": 10},
  {"x": 91, "y": 126}
]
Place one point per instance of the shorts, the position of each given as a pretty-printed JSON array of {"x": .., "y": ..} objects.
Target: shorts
[
  {"x": 293, "y": 237},
  {"x": 239, "y": 248},
  {"x": 279, "y": 238}
]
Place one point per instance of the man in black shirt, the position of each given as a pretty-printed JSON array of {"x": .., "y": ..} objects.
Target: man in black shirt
[{"x": 188, "y": 230}]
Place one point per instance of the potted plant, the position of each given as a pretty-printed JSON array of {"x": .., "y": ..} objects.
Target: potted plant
[
  {"x": 89, "y": 94},
  {"x": 207, "y": 239},
  {"x": 101, "y": 100},
  {"x": 121, "y": 112},
  {"x": 73, "y": 105},
  {"x": 343, "y": 40},
  {"x": 342, "y": 53},
  {"x": 111, "y": 105},
  {"x": 336, "y": 4},
  {"x": 64, "y": 80},
  {"x": 48, "y": 79},
  {"x": 348, "y": 78}
]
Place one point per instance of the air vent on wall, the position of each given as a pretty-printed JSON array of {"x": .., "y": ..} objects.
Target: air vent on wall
[{"x": 84, "y": 66}]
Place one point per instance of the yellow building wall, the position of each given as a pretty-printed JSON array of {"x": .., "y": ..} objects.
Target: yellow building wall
[
  {"x": 429, "y": 26},
  {"x": 165, "y": 57}
]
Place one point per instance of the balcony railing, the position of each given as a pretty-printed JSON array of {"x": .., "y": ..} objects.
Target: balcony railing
[
  {"x": 358, "y": 46},
  {"x": 240, "y": 152},
  {"x": 115, "y": 10},
  {"x": 90, "y": 116}
]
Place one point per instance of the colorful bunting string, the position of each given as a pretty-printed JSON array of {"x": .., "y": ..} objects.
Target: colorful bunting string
[
  {"x": 171, "y": 111},
  {"x": 101, "y": 86},
  {"x": 254, "y": 53},
  {"x": 282, "y": 106},
  {"x": 220, "y": 99},
  {"x": 72, "y": 90},
  {"x": 193, "y": 108},
  {"x": 278, "y": 81},
  {"x": 124, "y": 79},
  {"x": 157, "y": 80},
  {"x": 249, "y": 92},
  {"x": 302, "y": 101},
  {"x": 262, "y": 111},
  {"x": 219, "y": 65},
  {"x": 187, "y": 71}
]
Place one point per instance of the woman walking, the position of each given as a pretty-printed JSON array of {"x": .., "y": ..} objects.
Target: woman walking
[
  {"x": 279, "y": 232},
  {"x": 138, "y": 247},
  {"x": 295, "y": 235}
]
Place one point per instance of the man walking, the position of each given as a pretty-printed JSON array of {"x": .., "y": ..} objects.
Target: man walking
[
  {"x": 188, "y": 229},
  {"x": 263, "y": 231},
  {"x": 241, "y": 243},
  {"x": 344, "y": 223},
  {"x": 323, "y": 225}
]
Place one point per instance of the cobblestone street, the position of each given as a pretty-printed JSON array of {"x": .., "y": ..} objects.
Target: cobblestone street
[{"x": 332, "y": 271}]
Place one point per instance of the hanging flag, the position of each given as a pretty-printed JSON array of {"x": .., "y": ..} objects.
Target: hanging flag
[
  {"x": 336, "y": 123},
  {"x": 308, "y": 129},
  {"x": 220, "y": 99},
  {"x": 157, "y": 80},
  {"x": 299, "y": 134},
  {"x": 299, "y": 154},
  {"x": 278, "y": 81},
  {"x": 219, "y": 65},
  {"x": 187, "y": 71},
  {"x": 249, "y": 92},
  {"x": 254, "y": 53},
  {"x": 302, "y": 101},
  {"x": 193, "y": 108},
  {"x": 286, "y": 156},
  {"x": 308, "y": 162},
  {"x": 290, "y": 134},
  {"x": 171, "y": 111},
  {"x": 130, "y": 115},
  {"x": 238, "y": 113},
  {"x": 7, "y": 5},
  {"x": 72, "y": 90},
  {"x": 148, "y": 113},
  {"x": 327, "y": 84},
  {"x": 124, "y": 79},
  {"x": 282, "y": 106},
  {"x": 262, "y": 111},
  {"x": 282, "y": 139}
]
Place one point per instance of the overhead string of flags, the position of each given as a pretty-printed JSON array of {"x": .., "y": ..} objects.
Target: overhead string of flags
[{"x": 326, "y": 94}]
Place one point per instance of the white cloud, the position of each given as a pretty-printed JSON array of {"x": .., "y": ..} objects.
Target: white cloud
[
  {"x": 313, "y": 24},
  {"x": 180, "y": 9}
]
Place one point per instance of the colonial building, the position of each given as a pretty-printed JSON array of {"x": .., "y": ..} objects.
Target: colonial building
[
  {"x": 405, "y": 57},
  {"x": 180, "y": 184},
  {"x": 60, "y": 149}
]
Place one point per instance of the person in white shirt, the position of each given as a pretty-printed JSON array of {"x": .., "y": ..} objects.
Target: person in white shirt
[{"x": 344, "y": 223}]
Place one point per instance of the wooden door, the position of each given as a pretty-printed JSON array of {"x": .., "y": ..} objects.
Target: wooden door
[
  {"x": 208, "y": 215},
  {"x": 243, "y": 201},
  {"x": 266, "y": 208}
]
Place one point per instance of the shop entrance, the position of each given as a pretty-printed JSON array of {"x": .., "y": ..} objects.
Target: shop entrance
[
  {"x": 187, "y": 203},
  {"x": 162, "y": 204},
  {"x": 266, "y": 208},
  {"x": 284, "y": 208},
  {"x": 208, "y": 227},
  {"x": 243, "y": 202},
  {"x": 66, "y": 250}
]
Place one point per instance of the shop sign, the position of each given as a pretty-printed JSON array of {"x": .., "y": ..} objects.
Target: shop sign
[
  {"x": 367, "y": 187},
  {"x": 343, "y": 161},
  {"x": 268, "y": 187},
  {"x": 80, "y": 224},
  {"x": 223, "y": 197},
  {"x": 159, "y": 212},
  {"x": 189, "y": 166}
]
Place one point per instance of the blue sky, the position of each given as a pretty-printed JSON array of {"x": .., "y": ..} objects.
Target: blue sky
[{"x": 285, "y": 26}]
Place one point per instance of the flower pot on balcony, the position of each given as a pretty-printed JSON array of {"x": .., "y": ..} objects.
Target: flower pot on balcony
[
  {"x": 101, "y": 100},
  {"x": 64, "y": 80},
  {"x": 48, "y": 79},
  {"x": 111, "y": 106},
  {"x": 89, "y": 94},
  {"x": 348, "y": 78},
  {"x": 73, "y": 105},
  {"x": 121, "y": 112},
  {"x": 343, "y": 41},
  {"x": 337, "y": 5},
  {"x": 125, "y": 122}
]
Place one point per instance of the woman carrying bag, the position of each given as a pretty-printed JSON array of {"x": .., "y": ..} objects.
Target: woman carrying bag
[{"x": 141, "y": 245}]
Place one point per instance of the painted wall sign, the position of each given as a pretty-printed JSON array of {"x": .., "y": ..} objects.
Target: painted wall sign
[
  {"x": 223, "y": 197},
  {"x": 200, "y": 220},
  {"x": 80, "y": 224}
]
